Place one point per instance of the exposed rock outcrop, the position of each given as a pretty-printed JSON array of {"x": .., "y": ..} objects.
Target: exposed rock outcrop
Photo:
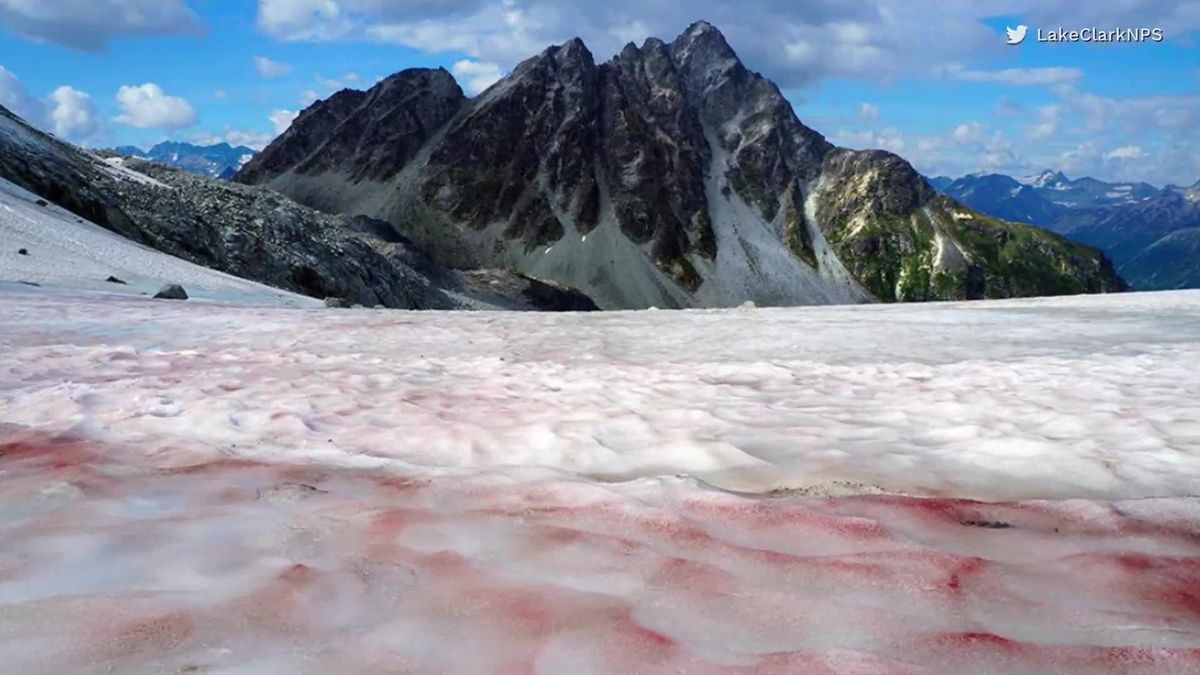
[{"x": 669, "y": 176}]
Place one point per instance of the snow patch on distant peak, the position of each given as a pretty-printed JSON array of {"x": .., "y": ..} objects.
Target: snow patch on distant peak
[{"x": 115, "y": 167}]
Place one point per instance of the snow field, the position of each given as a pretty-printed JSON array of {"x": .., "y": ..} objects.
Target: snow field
[{"x": 205, "y": 487}]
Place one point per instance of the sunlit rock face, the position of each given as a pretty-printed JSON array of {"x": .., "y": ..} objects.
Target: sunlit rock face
[{"x": 204, "y": 487}]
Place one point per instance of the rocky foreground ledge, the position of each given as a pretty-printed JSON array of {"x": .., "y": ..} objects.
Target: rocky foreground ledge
[{"x": 197, "y": 487}]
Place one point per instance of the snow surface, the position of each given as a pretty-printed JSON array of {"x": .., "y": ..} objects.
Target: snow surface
[
  {"x": 192, "y": 487},
  {"x": 67, "y": 252}
]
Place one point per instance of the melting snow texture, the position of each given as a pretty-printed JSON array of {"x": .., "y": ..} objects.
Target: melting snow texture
[{"x": 202, "y": 487}]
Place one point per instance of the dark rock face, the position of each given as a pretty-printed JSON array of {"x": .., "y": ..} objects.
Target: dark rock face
[
  {"x": 670, "y": 175},
  {"x": 368, "y": 135},
  {"x": 246, "y": 231},
  {"x": 171, "y": 292},
  {"x": 536, "y": 294},
  {"x": 115, "y": 280},
  {"x": 307, "y": 133}
]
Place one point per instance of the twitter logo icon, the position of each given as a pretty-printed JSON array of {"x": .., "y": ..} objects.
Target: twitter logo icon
[{"x": 1016, "y": 35}]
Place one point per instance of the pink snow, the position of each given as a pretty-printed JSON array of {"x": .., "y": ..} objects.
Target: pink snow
[{"x": 200, "y": 487}]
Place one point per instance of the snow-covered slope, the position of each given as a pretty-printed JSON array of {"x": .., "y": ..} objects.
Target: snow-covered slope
[
  {"x": 65, "y": 251},
  {"x": 192, "y": 488}
]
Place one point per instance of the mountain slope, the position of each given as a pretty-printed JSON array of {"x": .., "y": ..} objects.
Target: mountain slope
[
  {"x": 1151, "y": 235},
  {"x": 670, "y": 175},
  {"x": 1086, "y": 192},
  {"x": 1155, "y": 242},
  {"x": 254, "y": 233},
  {"x": 53, "y": 248},
  {"x": 1004, "y": 197}
]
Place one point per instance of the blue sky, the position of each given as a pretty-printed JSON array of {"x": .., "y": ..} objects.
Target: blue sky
[{"x": 932, "y": 81}]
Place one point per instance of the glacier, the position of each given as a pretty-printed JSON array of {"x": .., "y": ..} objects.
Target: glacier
[{"x": 239, "y": 487}]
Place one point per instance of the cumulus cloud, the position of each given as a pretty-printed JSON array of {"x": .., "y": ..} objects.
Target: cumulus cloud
[
  {"x": 967, "y": 133},
  {"x": 89, "y": 25},
  {"x": 1125, "y": 152},
  {"x": 148, "y": 106},
  {"x": 889, "y": 139},
  {"x": 269, "y": 68},
  {"x": 282, "y": 119},
  {"x": 72, "y": 113},
  {"x": 66, "y": 112},
  {"x": 476, "y": 75},
  {"x": 868, "y": 111},
  {"x": 255, "y": 140},
  {"x": 1048, "y": 118}
]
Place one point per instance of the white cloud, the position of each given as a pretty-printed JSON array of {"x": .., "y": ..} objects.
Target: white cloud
[
  {"x": 297, "y": 20},
  {"x": 868, "y": 111},
  {"x": 16, "y": 98},
  {"x": 269, "y": 68},
  {"x": 1014, "y": 76},
  {"x": 72, "y": 113},
  {"x": 1046, "y": 126},
  {"x": 220, "y": 94},
  {"x": 1125, "y": 152},
  {"x": 967, "y": 133},
  {"x": 794, "y": 43},
  {"x": 886, "y": 139},
  {"x": 476, "y": 75},
  {"x": 308, "y": 97},
  {"x": 333, "y": 84},
  {"x": 148, "y": 106},
  {"x": 282, "y": 119},
  {"x": 255, "y": 140},
  {"x": 90, "y": 24},
  {"x": 66, "y": 112}
]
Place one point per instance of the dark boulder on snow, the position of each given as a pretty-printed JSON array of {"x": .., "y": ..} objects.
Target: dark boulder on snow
[{"x": 171, "y": 292}]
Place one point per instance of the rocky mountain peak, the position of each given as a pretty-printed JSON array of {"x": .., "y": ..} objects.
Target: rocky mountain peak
[{"x": 628, "y": 179}]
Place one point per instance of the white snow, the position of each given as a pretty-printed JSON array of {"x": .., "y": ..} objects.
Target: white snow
[
  {"x": 67, "y": 252},
  {"x": 115, "y": 167},
  {"x": 221, "y": 488}
]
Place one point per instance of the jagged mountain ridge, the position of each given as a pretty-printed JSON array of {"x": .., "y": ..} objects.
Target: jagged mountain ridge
[
  {"x": 257, "y": 234},
  {"x": 670, "y": 175},
  {"x": 219, "y": 160}
]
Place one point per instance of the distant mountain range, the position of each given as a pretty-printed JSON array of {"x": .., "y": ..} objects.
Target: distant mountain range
[
  {"x": 1152, "y": 235},
  {"x": 215, "y": 161}
]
